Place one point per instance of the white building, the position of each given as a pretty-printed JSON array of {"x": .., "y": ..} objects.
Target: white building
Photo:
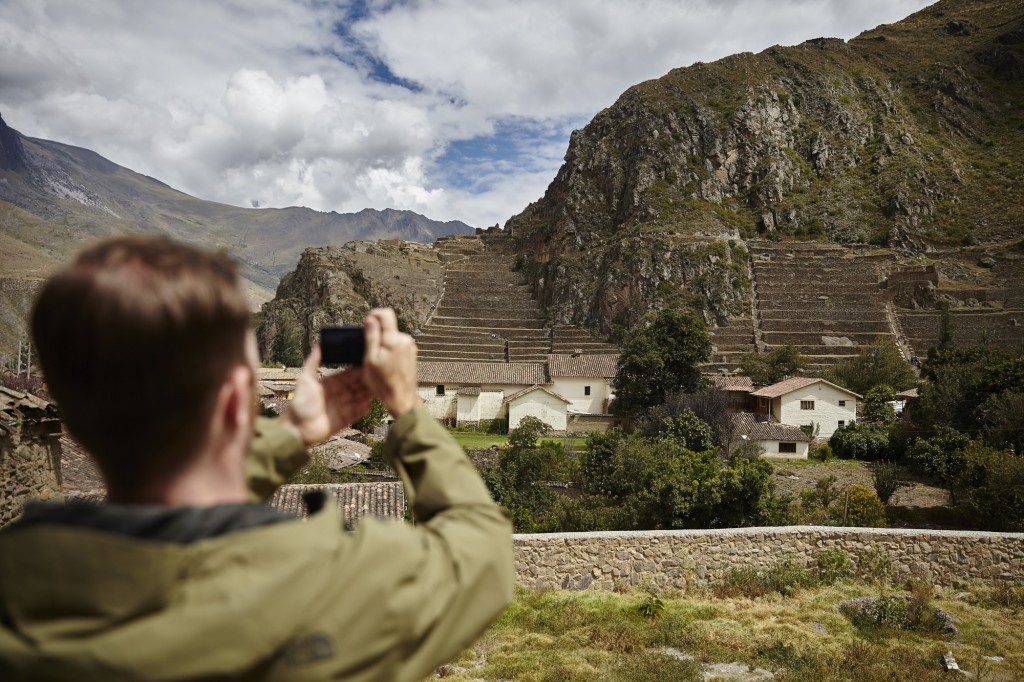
[
  {"x": 584, "y": 380},
  {"x": 540, "y": 402},
  {"x": 473, "y": 392},
  {"x": 775, "y": 440},
  {"x": 802, "y": 401}
]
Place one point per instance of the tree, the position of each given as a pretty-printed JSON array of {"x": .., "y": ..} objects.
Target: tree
[
  {"x": 878, "y": 407},
  {"x": 286, "y": 347},
  {"x": 994, "y": 482},
  {"x": 517, "y": 481},
  {"x": 659, "y": 359},
  {"x": 374, "y": 418},
  {"x": 781, "y": 362},
  {"x": 879, "y": 363},
  {"x": 941, "y": 456},
  {"x": 710, "y": 405},
  {"x": 860, "y": 441}
]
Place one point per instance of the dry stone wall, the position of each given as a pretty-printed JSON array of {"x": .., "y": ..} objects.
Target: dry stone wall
[
  {"x": 693, "y": 558},
  {"x": 29, "y": 452}
]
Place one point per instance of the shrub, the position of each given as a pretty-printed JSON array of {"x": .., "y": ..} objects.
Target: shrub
[
  {"x": 834, "y": 564},
  {"x": 994, "y": 480},
  {"x": 888, "y": 480},
  {"x": 650, "y": 607},
  {"x": 861, "y": 507},
  {"x": 821, "y": 452},
  {"x": 875, "y": 564},
  {"x": 860, "y": 441}
]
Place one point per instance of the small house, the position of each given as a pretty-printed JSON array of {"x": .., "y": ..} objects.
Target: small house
[
  {"x": 775, "y": 440},
  {"x": 804, "y": 401},
  {"x": 540, "y": 402}
]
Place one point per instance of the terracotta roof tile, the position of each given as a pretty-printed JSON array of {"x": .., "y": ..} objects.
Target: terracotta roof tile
[
  {"x": 523, "y": 392},
  {"x": 733, "y": 383},
  {"x": 572, "y": 365},
  {"x": 355, "y": 500},
  {"x": 79, "y": 473},
  {"x": 759, "y": 429},
  {"x": 475, "y": 373}
]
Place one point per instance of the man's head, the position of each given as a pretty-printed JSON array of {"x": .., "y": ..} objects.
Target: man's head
[{"x": 137, "y": 338}]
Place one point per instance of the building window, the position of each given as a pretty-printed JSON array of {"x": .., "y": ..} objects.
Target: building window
[
  {"x": 440, "y": 389},
  {"x": 842, "y": 403},
  {"x": 787, "y": 447},
  {"x": 586, "y": 390},
  {"x": 842, "y": 422},
  {"x": 806, "y": 404}
]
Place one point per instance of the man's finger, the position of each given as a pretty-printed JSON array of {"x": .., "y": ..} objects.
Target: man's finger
[
  {"x": 388, "y": 319},
  {"x": 372, "y": 334},
  {"x": 312, "y": 363}
]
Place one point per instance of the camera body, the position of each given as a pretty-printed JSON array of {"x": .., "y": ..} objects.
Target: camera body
[{"x": 342, "y": 345}]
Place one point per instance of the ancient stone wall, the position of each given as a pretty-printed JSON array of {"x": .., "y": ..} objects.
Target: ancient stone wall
[
  {"x": 690, "y": 558},
  {"x": 29, "y": 452}
]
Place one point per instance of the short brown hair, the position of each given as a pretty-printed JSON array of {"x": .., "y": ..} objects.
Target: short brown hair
[{"x": 135, "y": 338}]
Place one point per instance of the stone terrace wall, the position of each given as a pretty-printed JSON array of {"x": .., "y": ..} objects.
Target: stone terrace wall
[{"x": 689, "y": 558}]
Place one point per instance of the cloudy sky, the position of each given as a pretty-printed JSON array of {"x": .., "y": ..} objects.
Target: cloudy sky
[{"x": 457, "y": 109}]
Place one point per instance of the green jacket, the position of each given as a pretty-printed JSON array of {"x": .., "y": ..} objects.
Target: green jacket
[{"x": 286, "y": 600}]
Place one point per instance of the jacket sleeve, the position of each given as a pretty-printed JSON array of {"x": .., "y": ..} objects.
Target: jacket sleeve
[
  {"x": 461, "y": 571},
  {"x": 274, "y": 457}
]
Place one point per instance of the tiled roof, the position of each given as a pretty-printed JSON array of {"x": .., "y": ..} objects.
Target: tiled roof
[
  {"x": 277, "y": 374},
  {"x": 572, "y": 365},
  {"x": 790, "y": 385},
  {"x": 355, "y": 500},
  {"x": 16, "y": 407},
  {"x": 523, "y": 392},
  {"x": 733, "y": 383},
  {"x": 756, "y": 429},
  {"x": 468, "y": 390},
  {"x": 475, "y": 373},
  {"x": 79, "y": 473}
]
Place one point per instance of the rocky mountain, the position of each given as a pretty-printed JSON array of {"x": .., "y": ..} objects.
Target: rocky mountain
[
  {"x": 910, "y": 136},
  {"x": 55, "y": 197}
]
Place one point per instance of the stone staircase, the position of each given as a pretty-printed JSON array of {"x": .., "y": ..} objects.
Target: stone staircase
[
  {"x": 486, "y": 312},
  {"x": 824, "y": 300},
  {"x": 731, "y": 342}
]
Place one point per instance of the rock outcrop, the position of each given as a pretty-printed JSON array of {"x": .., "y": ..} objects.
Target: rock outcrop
[{"x": 339, "y": 285}]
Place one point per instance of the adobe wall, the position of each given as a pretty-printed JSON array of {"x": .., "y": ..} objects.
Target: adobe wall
[{"x": 691, "y": 558}]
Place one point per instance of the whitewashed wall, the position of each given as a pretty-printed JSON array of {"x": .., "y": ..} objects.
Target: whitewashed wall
[
  {"x": 439, "y": 406},
  {"x": 826, "y": 413},
  {"x": 485, "y": 407},
  {"x": 490, "y": 407},
  {"x": 468, "y": 409},
  {"x": 539, "y": 404},
  {"x": 572, "y": 389},
  {"x": 771, "y": 450}
]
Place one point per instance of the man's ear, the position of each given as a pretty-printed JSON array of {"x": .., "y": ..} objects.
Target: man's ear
[{"x": 233, "y": 407}]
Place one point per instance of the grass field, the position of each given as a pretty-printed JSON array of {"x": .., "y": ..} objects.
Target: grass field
[
  {"x": 476, "y": 440},
  {"x": 563, "y": 636}
]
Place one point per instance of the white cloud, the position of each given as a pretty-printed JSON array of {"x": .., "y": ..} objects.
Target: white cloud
[{"x": 263, "y": 100}]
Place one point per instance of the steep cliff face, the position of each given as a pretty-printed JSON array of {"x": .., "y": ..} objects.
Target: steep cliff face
[
  {"x": 339, "y": 285},
  {"x": 909, "y": 136}
]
